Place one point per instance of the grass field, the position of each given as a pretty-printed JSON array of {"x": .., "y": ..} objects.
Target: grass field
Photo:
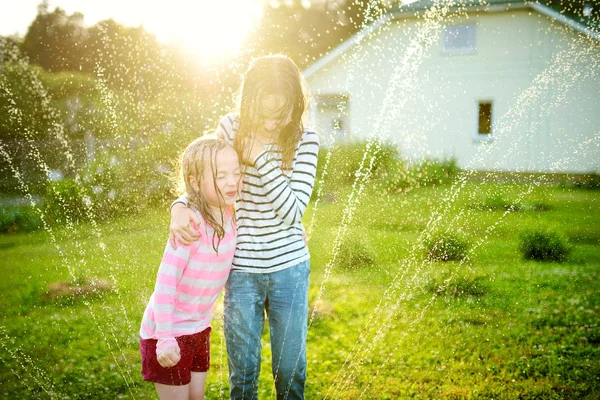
[{"x": 398, "y": 326}]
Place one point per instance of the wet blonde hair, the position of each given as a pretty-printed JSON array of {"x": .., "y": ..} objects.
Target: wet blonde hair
[
  {"x": 199, "y": 155},
  {"x": 275, "y": 74}
]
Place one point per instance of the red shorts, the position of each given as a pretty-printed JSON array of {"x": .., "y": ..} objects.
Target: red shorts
[{"x": 195, "y": 356}]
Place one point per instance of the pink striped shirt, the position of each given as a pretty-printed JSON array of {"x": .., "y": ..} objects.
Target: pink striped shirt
[{"x": 189, "y": 281}]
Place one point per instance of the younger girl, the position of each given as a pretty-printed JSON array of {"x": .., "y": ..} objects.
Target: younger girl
[
  {"x": 176, "y": 325},
  {"x": 271, "y": 268}
]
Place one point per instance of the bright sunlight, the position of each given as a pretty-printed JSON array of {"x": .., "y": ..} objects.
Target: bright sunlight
[{"x": 208, "y": 29}]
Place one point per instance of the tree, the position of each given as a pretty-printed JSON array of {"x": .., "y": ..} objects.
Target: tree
[
  {"x": 584, "y": 11},
  {"x": 53, "y": 40},
  {"x": 126, "y": 58},
  {"x": 306, "y": 30},
  {"x": 25, "y": 122},
  {"x": 23, "y": 99}
]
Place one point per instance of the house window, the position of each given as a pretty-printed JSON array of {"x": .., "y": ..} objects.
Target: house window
[
  {"x": 459, "y": 39},
  {"x": 484, "y": 119}
]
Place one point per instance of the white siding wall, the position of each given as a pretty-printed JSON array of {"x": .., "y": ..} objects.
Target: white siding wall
[{"x": 431, "y": 106}]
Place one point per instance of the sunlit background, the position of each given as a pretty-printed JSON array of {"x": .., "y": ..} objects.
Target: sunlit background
[
  {"x": 205, "y": 29},
  {"x": 453, "y": 228},
  {"x": 211, "y": 31}
]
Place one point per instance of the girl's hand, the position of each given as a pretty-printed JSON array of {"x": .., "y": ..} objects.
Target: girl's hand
[
  {"x": 169, "y": 357},
  {"x": 181, "y": 229}
]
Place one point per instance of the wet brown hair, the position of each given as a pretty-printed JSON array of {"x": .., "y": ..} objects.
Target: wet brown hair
[
  {"x": 274, "y": 74},
  {"x": 199, "y": 155}
]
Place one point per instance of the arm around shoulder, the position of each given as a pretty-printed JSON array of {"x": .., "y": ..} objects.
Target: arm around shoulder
[{"x": 181, "y": 219}]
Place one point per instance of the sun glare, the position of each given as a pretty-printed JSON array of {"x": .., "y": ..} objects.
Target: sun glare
[{"x": 208, "y": 29}]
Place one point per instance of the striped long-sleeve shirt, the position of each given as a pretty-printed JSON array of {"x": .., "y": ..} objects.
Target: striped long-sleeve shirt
[
  {"x": 271, "y": 205},
  {"x": 189, "y": 281}
]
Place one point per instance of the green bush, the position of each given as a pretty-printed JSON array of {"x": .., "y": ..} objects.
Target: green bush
[
  {"x": 18, "y": 219},
  {"x": 447, "y": 247},
  {"x": 590, "y": 182},
  {"x": 389, "y": 172},
  {"x": 544, "y": 245},
  {"x": 355, "y": 253},
  {"x": 153, "y": 177},
  {"x": 116, "y": 187},
  {"x": 346, "y": 159},
  {"x": 68, "y": 84},
  {"x": 397, "y": 177},
  {"x": 458, "y": 286},
  {"x": 435, "y": 172},
  {"x": 109, "y": 187},
  {"x": 105, "y": 185},
  {"x": 104, "y": 192},
  {"x": 587, "y": 181},
  {"x": 537, "y": 206},
  {"x": 496, "y": 201},
  {"x": 23, "y": 115},
  {"x": 64, "y": 202}
]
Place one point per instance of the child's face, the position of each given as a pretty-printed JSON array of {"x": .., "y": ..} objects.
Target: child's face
[
  {"x": 226, "y": 179},
  {"x": 274, "y": 113}
]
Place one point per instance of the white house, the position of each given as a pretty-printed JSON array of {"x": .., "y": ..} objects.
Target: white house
[{"x": 508, "y": 85}]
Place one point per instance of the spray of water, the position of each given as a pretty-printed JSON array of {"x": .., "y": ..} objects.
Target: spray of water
[
  {"x": 403, "y": 81},
  {"x": 81, "y": 263},
  {"x": 384, "y": 312},
  {"x": 42, "y": 381},
  {"x": 556, "y": 166},
  {"x": 67, "y": 262}
]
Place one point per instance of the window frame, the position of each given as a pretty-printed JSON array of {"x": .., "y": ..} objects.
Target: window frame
[
  {"x": 463, "y": 50},
  {"x": 484, "y": 137}
]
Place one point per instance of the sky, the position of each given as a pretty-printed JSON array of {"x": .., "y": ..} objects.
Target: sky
[{"x": 214, "y": 27}]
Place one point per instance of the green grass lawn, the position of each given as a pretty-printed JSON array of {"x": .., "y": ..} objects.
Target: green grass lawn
[{"x": 491, "y": 326}]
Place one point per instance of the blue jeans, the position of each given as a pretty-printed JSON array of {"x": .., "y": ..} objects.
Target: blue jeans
[{"x": 284, "y": 296}]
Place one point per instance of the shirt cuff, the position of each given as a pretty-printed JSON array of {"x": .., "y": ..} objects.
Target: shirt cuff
[
  {"x": 182, "y": 200},
  {"x": 164, "y": 344}
]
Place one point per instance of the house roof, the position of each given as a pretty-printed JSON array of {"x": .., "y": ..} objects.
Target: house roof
[
  {"x": 587, "y": 26},
  {"x": 548, "y": 7}
]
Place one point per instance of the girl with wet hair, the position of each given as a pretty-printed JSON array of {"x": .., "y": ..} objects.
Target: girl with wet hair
[
  {"x": 175, "y": 329},
  {"x": 270, "y": 271}
]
